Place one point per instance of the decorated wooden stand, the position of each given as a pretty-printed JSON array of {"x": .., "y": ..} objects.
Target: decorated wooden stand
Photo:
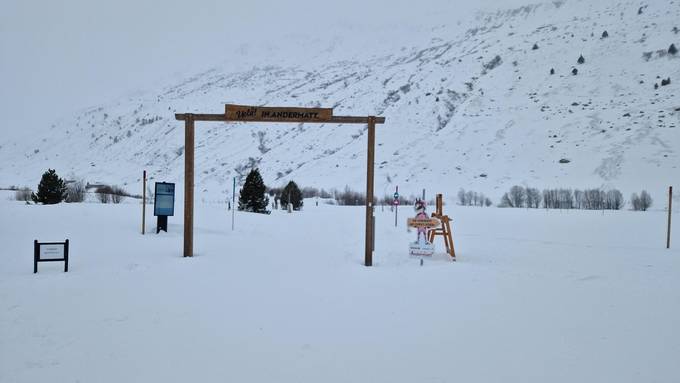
[
  {"x": 423, "y": 223},
  {"x": 445, "y": 228}
]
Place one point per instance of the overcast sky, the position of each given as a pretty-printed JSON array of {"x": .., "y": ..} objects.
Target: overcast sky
[{"x": 61, "y": 56}]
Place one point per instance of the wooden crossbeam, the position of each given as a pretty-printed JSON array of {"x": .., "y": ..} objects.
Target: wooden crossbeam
[{"x": 223, "y": 117}]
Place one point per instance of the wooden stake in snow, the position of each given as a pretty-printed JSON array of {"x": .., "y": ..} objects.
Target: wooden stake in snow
[
  {"x": 233, "y": 203},
  {"x": 143, "y": 202},
  {"x": 670, "y": 209}
]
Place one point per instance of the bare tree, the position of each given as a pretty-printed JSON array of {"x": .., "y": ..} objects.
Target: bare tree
[
  {"x": 462, "y": 197},
  {"x": 517, "y": 195},
  {"x": 645, "y": 200},
  {"x": 533, "y": 198},
  {"x": 506, "y": 201}
]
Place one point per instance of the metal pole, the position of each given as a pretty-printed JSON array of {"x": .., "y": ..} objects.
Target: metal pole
[
  {"x": 189, "y": 186},
  {"x": 368, "y": 245},
  {"x": 670, "y": 209},
  {"x": 143, "y": 202},
  {"x": 396, "y": 205},
  {"x": 233, "y": 202}
]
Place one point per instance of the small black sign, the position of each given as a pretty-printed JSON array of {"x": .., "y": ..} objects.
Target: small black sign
[{"x": 50, "y": 252}]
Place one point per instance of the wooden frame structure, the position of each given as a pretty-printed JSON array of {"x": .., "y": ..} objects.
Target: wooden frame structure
[
  {"x": 445, "y": 229},
  {"x": 245, "y": 113}
]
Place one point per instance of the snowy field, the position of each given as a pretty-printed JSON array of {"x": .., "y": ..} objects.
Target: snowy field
[{"x": 536, "y": 296}]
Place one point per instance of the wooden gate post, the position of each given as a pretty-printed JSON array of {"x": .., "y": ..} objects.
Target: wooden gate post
[
  {"x": 368, "y": 259},
  {"x": 189, "y": 186}
]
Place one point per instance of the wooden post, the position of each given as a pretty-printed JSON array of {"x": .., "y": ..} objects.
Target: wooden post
[
  {"x": 189, "y": 186},
  {"x": 670, "y": 209},
  {"x": 143, "y": 202},
  {"x": 368, "y": 259}
]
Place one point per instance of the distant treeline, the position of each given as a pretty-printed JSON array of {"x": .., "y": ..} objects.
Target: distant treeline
[
  {"x": 561, "y": 198},
  {"x": 346, "y": 197}
]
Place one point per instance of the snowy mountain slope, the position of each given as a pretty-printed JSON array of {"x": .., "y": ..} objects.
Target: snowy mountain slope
[{"x": 474, "y": 107}]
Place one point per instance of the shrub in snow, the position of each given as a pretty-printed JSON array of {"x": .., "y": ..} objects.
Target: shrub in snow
[
  {"x": 117, "y": 194},
  {"x": 534, "y": 47},
  {"x": 349, "y": 197},
  {"x": 605, "y": 34},
  {"x": 574, "y": 71},
  {"x": 552, "y": 71},
  {"x": 51, "y": 189},
  {"x": 252, "y": 196},
  {"x": 76, "y": 191},
  {"x": 665, "y": 82},
  {"x": 672, "y": 49},
  {"x": 291, "y": 194},
  {"x": 23, "y": 194}
]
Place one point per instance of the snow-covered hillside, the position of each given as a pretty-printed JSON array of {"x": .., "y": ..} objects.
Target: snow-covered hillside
[{"x": 475, "y": 107}]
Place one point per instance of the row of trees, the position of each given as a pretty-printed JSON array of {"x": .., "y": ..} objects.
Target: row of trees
[
  {"x": 253, "y": 196},
  {"x": 52, "y": 189},
  {"x": 472, "y": 198},
  {"x": 589, "y": 199}
]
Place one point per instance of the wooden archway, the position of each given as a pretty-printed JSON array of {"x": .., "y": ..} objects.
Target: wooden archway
[{"x": 245, "y": 113}]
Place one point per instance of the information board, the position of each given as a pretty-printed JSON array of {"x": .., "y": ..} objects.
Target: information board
[{"x": 164, "y": 201}]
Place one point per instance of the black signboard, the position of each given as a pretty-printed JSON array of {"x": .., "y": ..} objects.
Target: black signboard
[
  {"x": 50, "y": 252},
  {"x": 164, "y": 201},
  {"x": 163, "y": 204}
]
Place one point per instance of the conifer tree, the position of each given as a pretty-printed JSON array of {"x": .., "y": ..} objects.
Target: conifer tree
[
  {"x": 252, "y": 196},
  {"x": 291, "y": 193},
  {"x": 51, "y": 189}
]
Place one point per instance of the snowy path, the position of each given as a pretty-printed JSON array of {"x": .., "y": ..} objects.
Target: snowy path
[{"x": 536, "y": 297}]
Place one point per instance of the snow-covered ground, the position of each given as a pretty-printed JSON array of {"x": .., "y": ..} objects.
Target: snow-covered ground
[{"x": 536, "y": 296}]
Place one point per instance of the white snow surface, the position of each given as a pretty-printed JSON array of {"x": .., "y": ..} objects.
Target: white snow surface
[
  {"x": 455, "y": 117},
  {"x": 535, "y": 296}
]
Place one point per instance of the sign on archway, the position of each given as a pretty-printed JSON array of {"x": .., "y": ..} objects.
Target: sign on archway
[{"x": 247, "y": 113}]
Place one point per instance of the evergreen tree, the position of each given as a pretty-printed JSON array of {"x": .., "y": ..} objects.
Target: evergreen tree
[
  {"x": 672, "y": 49},
  {"x": 581, "y": 59},
  {"x": 252, "y": 196},
  {"x": 51, "y": 189},
  {"x": 291, "y": 193}
]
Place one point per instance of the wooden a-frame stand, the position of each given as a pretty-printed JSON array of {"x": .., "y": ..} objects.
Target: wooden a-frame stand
[{"x": 444, "y": 230}]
